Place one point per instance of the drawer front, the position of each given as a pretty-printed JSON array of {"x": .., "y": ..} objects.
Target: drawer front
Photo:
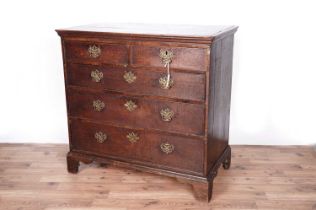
[
  {"x": 137, "y": 112},
  {"x": 183, "y": 58},
  {"x": 170, "y": 151},
  {"x": 186, "y": 86},
  {"x": 81, "y": 52}
]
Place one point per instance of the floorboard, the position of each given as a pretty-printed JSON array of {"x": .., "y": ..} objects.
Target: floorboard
[{"x": 34, "y": 177}]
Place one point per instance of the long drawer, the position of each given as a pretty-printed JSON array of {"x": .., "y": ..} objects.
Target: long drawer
[
  {"x": 185, "y": 86},
  {"x": 169, "y": 151},
  {"x": 137, "y": 112}
]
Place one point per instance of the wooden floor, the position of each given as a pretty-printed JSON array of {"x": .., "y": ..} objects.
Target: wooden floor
[{"x": 34, "y": 177}]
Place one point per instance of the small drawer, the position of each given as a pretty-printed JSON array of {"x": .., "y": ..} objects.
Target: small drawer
[
  {"x": 148, "y": 147},
  {"x": 185, "y": 86},
  {"x": 84, "y": 52},
  {"x": 137, "y": 112},
  {"x": 182, "y": 58}
]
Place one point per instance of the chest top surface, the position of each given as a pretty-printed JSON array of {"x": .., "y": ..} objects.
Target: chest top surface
[{"x": 199, "y": 32}]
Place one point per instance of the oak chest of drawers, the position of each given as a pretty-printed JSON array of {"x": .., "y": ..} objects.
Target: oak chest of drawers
[{"x": 151, "y": 97}]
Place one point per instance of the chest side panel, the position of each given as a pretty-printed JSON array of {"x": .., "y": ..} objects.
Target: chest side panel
[{"x": 219, "y": 98}]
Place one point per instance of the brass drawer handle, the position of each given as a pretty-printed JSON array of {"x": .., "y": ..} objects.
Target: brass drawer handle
[
  {"x": 96, "y": 75},
  {"x": 94, "y": 51},
  {"x": 100, "y": 137},
  {"x": 132, "y": 137},
  {"x": 166, "y": 114},
  {"x": 98, "y": 105},
  {"x": 167, "y": 147},
  {"x": 129, "y": 77},
  {"x": 130, "y": 105},
  {"x": 165, "y": 83},
  {"x": 166, "y": 58}
]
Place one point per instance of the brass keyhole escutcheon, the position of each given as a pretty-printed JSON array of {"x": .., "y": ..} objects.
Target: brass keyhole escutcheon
[
  {"x": 130, "y": 105},
  {"x": 100, "y": 137},
  {"x": 129, "y": 77},
  {"x": 132, "y": 137},
  {"x": 163, "y": 82},
  {"x": 167, "y": 147},
  {"x": 166, "y": 56},
  {"x": 166, "y": 114},
  {"x": 98, "y": 105},
  {"x": 96, "y": 75},
  {"x": 94, "y": 51}
]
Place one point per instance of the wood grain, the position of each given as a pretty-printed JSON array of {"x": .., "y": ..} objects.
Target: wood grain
[
  {"x": 110, "y": 53},
  {"x": 186, "y": 156},
  {"x": 187, "y": 119},
  {"x": 199, "y": 99},
  {"x": 219, "y": 98},
  {"x": 34, "y": 177},
  {"x": 186, "y": 86},
  {"x": 185, "y": 58},
  {"x": 159, "y": 32}
]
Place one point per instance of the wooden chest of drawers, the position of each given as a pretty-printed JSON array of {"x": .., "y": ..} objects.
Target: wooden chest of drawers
[{"x": 151, "y": 97}]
